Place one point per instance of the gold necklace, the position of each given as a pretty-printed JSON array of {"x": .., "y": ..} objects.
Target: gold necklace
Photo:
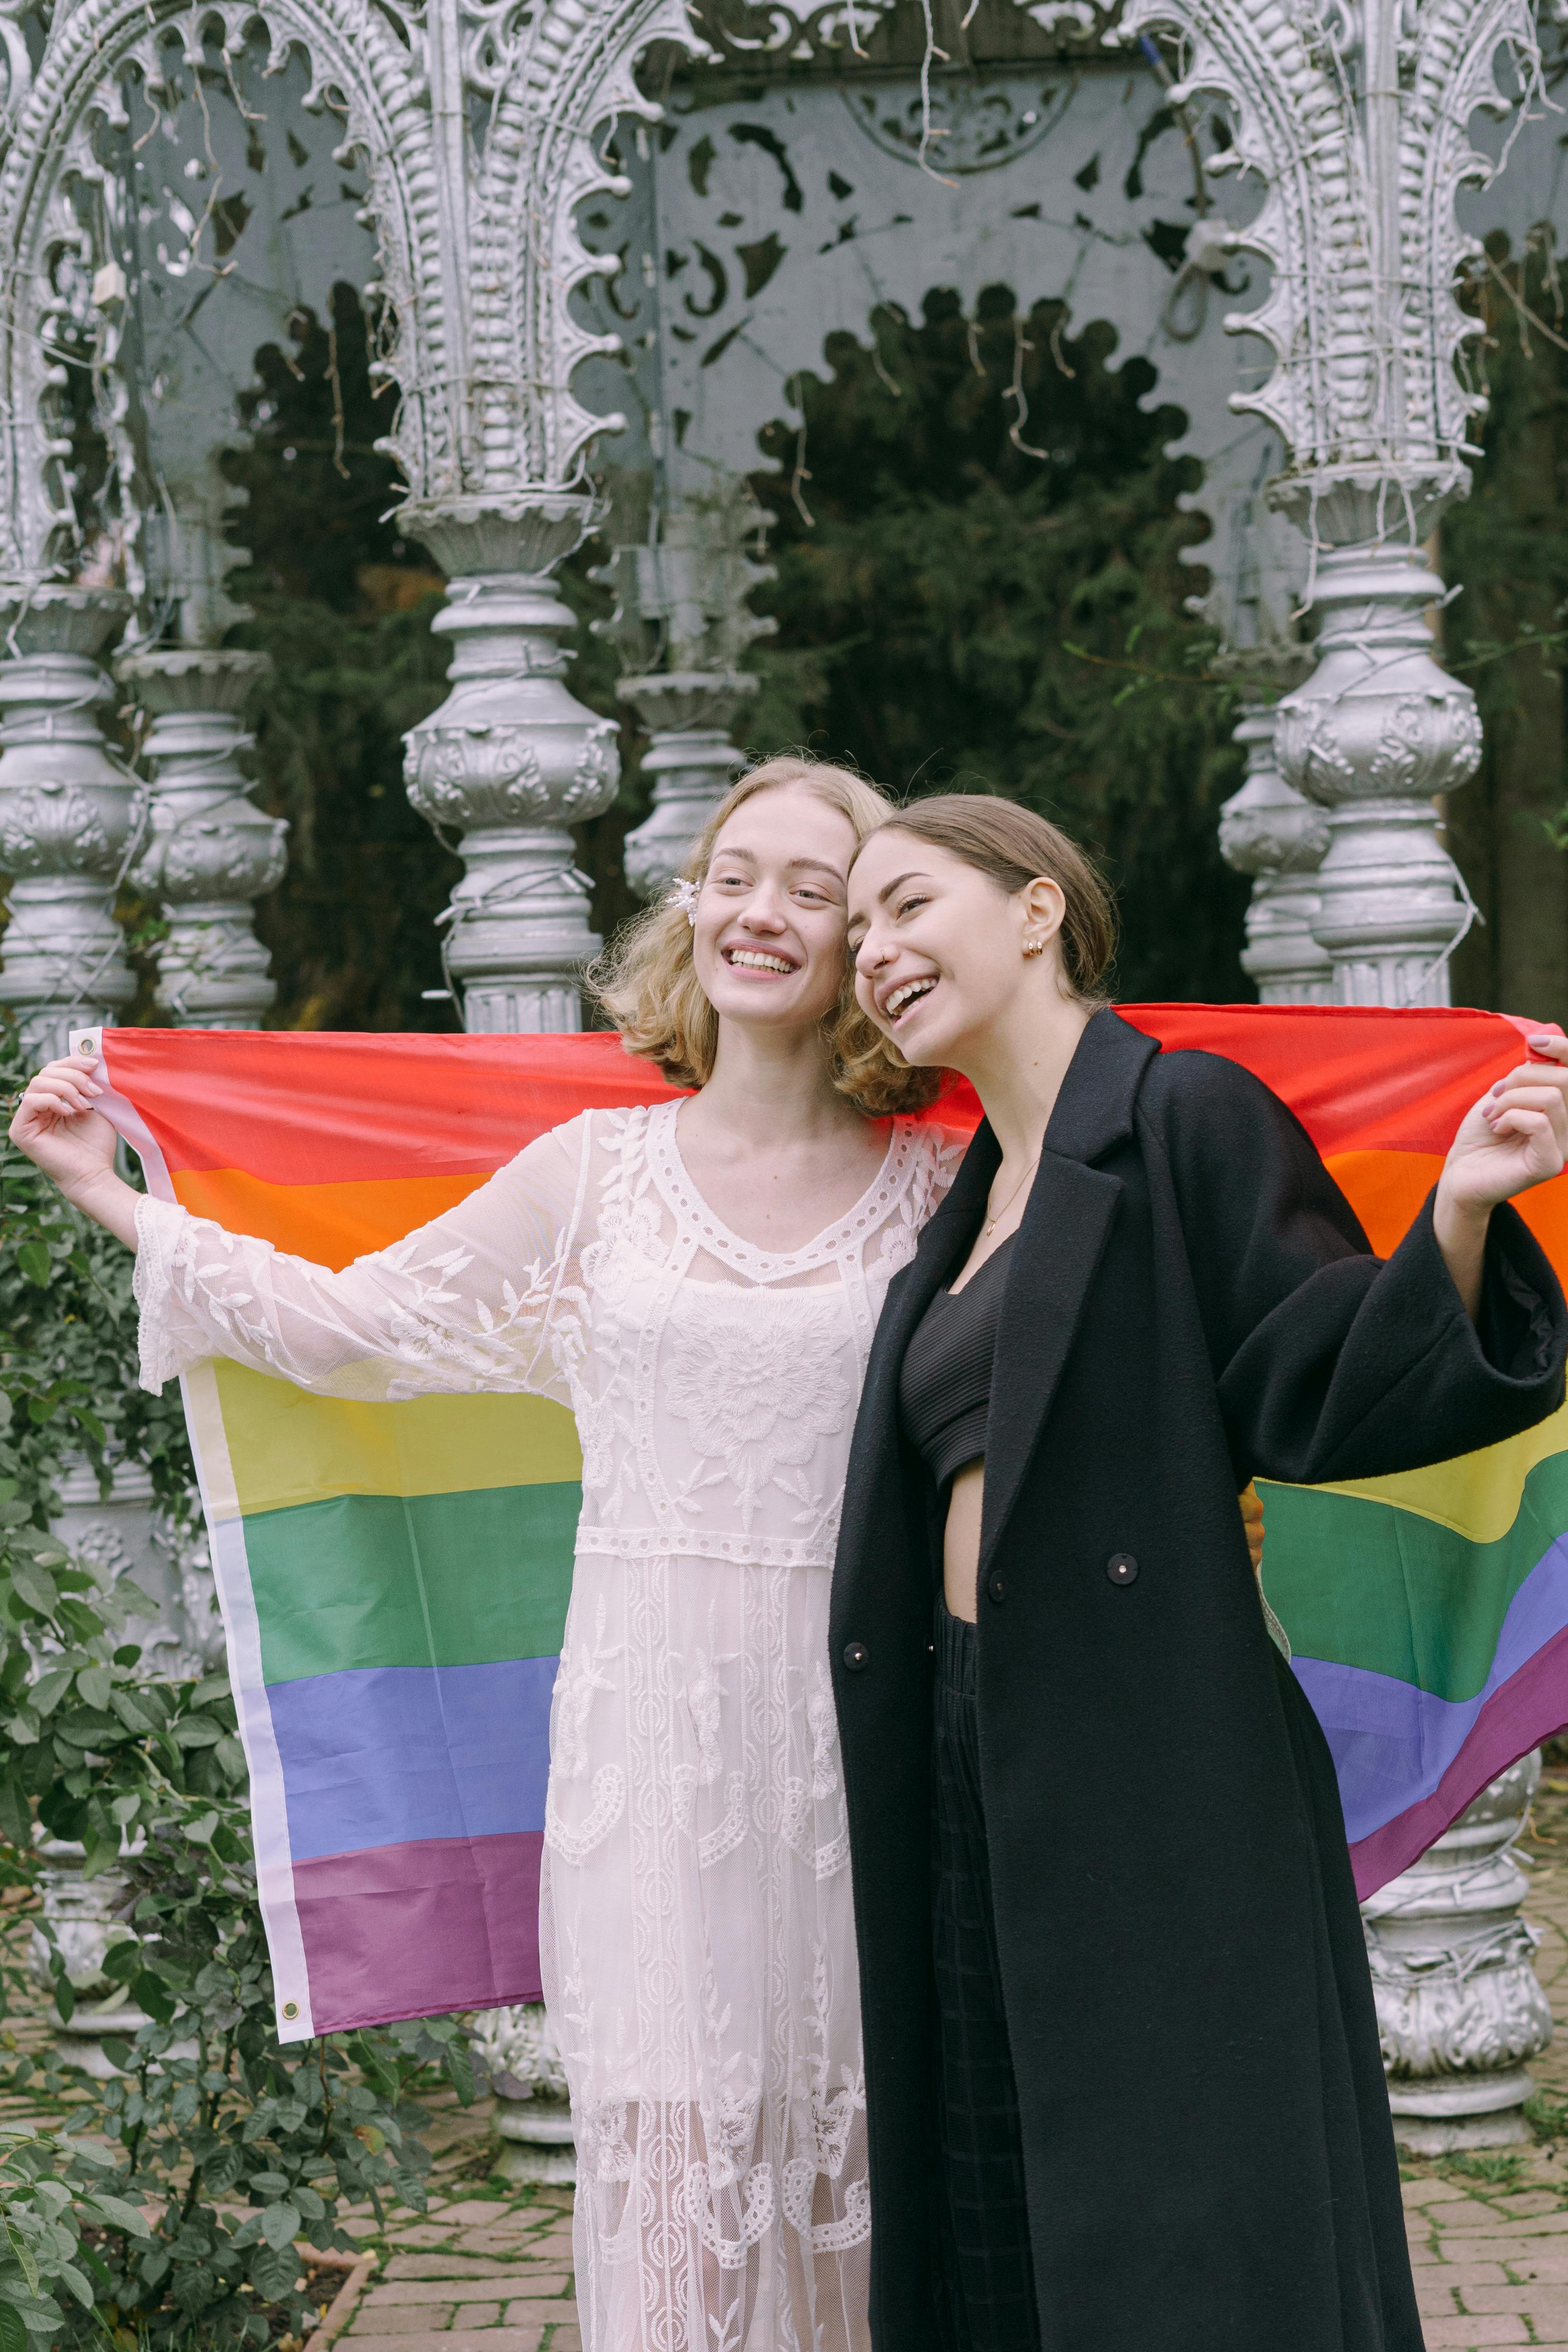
[{"x": 993, "y": 1220}]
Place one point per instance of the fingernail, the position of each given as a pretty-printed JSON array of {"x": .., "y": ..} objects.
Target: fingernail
[{"x": 1499, "y": 1085}]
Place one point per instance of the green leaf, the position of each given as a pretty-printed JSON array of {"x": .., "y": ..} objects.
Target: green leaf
[
  {"x": 65, "y": 1998},
  {"x": 84, "y": 1727},
  {"x": 210, "y": 1687},
  {"x": 77, "y": 2284},
  {"x": 122, "y": 1959},
  {"x": 153, "y": 1996},
  {"x": 128, "y": 1705},
  {"x": 117, "y": 2213},
  {"x": 24, "y": 2253},
  {"x": 36, "y": 1586},
  {"x": 196, "y": 1731},
  {"x": 273, "y": 2270},
  {"x": 50, "y": 1688},
  {"x": 42, "y": 1547},
  {"x": 23, "y": 1728},
  {"x": 231, "y": 1756},
  {"x": 200, "y": 1832},
  {"x": 13, "y": 2326},
  {"x": 33, "y": 1257},
  {"x": 93, "y": 1685},
  {"x": 280, "y": 2225}
]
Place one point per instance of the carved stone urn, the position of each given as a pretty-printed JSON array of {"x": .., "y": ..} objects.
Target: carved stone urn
[{"x": 533, "y": 2113}]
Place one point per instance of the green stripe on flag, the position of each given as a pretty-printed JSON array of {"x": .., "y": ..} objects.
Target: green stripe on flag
[
  {"x": 1362, "y": 1584},
  {"x": 458, "y": 1580}
]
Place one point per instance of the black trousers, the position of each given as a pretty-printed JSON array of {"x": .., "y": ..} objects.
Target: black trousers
[{"x": 986, "y": 2270}]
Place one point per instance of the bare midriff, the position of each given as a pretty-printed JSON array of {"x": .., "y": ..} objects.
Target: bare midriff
[{"x": 961, "y": 1541}]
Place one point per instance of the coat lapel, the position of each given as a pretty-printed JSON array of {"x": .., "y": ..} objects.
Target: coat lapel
[{"x": 1066, "y": 1222}]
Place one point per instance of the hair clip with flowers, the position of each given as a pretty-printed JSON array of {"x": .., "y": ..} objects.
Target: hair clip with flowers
[{"x": 684, "y": 894}]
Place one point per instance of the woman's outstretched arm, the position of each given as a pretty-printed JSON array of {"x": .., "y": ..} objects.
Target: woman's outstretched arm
[
  {"x": 1329, "y": 1362},
  {"x": 472, "y": 1300}
]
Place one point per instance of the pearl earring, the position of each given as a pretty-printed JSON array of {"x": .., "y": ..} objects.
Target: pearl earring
[{"x": 1034, "y": 947}]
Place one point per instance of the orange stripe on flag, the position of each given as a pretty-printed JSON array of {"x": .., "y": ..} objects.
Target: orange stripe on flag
[
  {"x": 1385, "y": 1189},
  {"x": 331, "y": 1224}
]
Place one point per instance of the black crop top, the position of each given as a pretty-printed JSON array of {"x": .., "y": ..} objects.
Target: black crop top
[{"x": 944, "y": 1387}]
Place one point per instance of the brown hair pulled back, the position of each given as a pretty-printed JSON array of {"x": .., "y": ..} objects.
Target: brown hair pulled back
[{"x": 1014, "y": 846}]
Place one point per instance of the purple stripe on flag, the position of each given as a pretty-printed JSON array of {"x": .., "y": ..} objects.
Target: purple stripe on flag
[
  {"x": 393, "y": 1755},
  {"x": 1525, "y": 1711},
  {"x": 411, "y": 1930},
  {"x": 1393, "y": 1744}
]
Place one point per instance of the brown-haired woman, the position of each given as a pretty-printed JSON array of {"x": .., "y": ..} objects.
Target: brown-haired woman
[
  {"x": 1116, "y": 2000},
  {"x": 699, "y": 1281}
]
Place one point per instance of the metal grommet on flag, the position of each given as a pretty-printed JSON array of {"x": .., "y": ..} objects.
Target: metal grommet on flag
[{"x": 291, "y": 2009}]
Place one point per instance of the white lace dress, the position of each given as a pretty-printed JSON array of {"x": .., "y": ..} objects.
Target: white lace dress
[{"x": 695, "y": 1918}]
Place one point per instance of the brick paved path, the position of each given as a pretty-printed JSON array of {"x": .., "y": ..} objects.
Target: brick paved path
[{"x": 489, "y": 2269}]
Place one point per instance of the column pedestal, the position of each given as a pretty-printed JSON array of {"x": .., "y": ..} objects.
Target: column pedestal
[
  {"x": 68, "y": 812},
  {"x": 1458, "y": 2003}
]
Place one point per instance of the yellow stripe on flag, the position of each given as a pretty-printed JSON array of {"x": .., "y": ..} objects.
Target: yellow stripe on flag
[
  {"x": 286, "y": 1448},
  {"x": 1477, "y": 1495}
]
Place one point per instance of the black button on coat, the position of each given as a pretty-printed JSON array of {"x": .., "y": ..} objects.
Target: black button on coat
[{"x": 1207, "y": 2145}]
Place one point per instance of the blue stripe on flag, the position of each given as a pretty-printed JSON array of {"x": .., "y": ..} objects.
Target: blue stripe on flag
[{"x": 380, "y": 1755}]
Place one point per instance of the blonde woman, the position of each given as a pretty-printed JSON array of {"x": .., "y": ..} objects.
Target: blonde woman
[{"x": 700, "y": 1282}]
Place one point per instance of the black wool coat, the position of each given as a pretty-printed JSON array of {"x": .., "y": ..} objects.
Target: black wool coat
[{"x": 1191, "y": 1301}]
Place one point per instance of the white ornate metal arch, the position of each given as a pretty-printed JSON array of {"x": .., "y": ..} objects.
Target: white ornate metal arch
[
  {"x": 1358, "y": 223},
  {"x": 356, "y": 63}
]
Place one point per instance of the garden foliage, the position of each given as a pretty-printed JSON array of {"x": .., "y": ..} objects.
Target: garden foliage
[{"x": 228, "y": 2151}]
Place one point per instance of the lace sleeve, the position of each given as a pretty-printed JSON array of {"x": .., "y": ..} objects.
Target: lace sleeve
[{"x": 478, "y": 1298}]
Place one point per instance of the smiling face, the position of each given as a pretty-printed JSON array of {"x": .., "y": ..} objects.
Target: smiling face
[
  {"x": 768, "y": 940},
  {"x": 939, "y": 948}
]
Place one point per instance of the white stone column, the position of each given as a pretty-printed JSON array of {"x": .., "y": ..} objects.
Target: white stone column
[
  {"x": 511, "y": 760},
  {"x": 209, "y": 852},
  {"x": 1375, "y": 733},
  {"x": 691, "y": 760},
  {"x": 1268, "y": 831},
  {"x": 1459, "y": 2006},
  {"x": 68, "y": 814},
  {"x": 683, "y": 623}
]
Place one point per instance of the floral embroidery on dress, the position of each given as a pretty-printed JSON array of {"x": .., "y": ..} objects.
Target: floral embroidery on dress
[{"x": 753, "y": 1402}]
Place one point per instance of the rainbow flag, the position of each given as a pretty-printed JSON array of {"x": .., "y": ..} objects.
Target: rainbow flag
[{"x": 394, "y": 1577}]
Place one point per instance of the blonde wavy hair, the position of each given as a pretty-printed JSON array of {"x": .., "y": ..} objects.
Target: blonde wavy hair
[{"x": 647, "y": 982}]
